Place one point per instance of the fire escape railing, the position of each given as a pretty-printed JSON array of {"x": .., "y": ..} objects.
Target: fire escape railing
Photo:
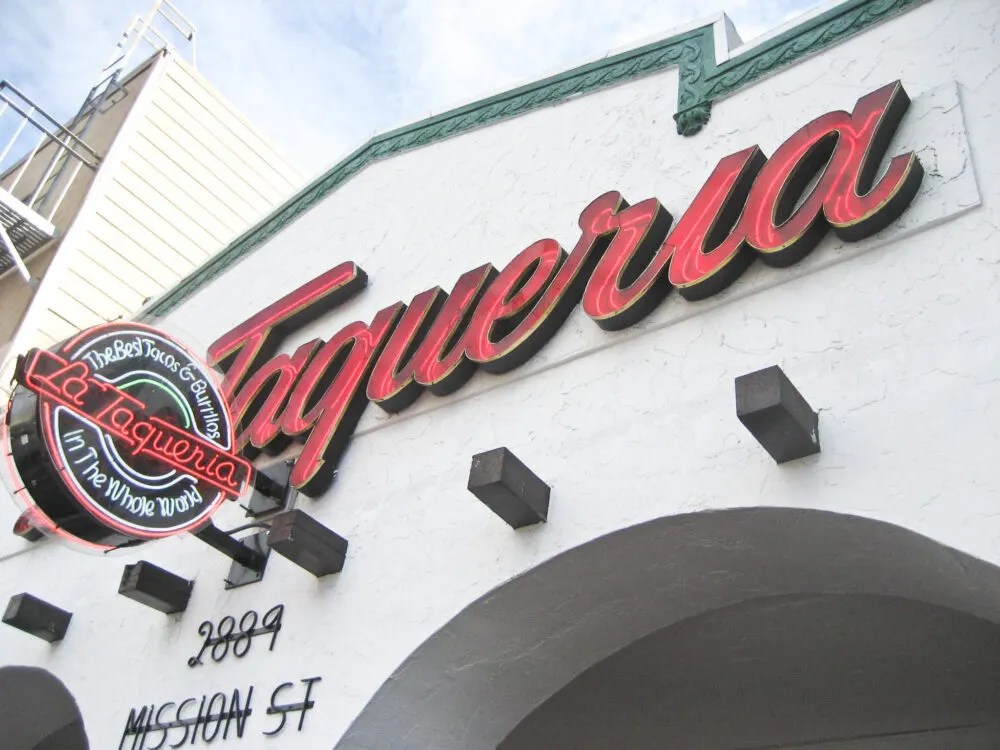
[{"x": 30, "y": 194}]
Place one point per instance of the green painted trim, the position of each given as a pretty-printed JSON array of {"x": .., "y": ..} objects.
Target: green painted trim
[{"x": 702, "y": 82}]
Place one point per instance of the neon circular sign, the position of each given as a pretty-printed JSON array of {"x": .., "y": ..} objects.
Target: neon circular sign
[{"x": 120, "y": 435}]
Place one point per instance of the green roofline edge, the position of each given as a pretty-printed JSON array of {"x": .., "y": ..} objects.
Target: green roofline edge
[{"x": 701, "y": 82}]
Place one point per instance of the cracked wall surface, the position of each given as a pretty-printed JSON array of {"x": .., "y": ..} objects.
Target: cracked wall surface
[{"x": 893, "y": 339}]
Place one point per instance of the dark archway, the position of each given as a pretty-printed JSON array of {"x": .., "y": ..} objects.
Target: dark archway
[
  {"x": 37, "y": 712},
  {"x": 478, "y": 677},
  {"x": 787, "y": 672}
]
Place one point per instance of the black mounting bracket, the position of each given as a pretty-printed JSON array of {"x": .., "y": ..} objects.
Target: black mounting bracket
[
  {"x": 272, "y": 492},
  {"x": 249, "y": 554}
]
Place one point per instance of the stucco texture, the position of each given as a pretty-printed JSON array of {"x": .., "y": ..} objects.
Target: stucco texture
[{"x": 892, "y": 339}]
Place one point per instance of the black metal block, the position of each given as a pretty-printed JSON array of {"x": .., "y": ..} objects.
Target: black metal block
[
  {"x": 509, "y": 488},
  {"x": 272, "y": 490},
  {"x": 155, "y": 587},
  {"x": 37, "y": 617},
  {"x": 777, "y": 415},
  {"x": 306, "y": 542}
]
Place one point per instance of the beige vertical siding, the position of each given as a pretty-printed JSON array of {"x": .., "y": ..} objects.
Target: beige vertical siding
[{"x": 192, "y": 176}]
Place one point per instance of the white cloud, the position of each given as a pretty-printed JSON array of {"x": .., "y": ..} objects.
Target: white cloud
[{"x": 320, "y": 77}]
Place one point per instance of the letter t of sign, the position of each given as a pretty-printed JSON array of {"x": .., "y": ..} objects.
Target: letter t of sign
[{"x": 241, "y": 351}]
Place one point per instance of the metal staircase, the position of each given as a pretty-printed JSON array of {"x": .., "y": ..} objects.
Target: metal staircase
[
  {"x": 31, "y": 194},
  {"x": 25, "y": 223}
]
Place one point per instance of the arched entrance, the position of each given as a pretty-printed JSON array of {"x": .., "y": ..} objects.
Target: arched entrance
[
  {"x": 37, "y": 712},
  {"x": 823, "y": 671},
  {"x": 696, "y": 599}
]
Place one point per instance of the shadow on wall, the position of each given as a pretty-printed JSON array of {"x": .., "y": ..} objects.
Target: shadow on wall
[
  {"x": 37, "y": 712},
  {"x": 823, "y": 671},
  {"x": 795, "y": 624}
]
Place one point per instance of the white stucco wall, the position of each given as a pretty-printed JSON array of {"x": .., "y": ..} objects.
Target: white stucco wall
[{"x": 892, "y": 339}]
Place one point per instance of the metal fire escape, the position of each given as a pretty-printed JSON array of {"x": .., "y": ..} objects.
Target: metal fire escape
[
  {"x": 28, "y": 205},
  {"x": 30, "y": 194}
]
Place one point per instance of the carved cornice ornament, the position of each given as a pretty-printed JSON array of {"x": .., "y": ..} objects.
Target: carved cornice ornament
[{"x": 701, "y": 82}]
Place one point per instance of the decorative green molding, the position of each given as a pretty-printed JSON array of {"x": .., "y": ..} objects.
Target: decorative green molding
[{"x": 701, "y": 82}]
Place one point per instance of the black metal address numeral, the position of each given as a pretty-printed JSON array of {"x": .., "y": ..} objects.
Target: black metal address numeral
[
  {"x": 248, "y": 624},
  {"x": 237, "y": 636}
]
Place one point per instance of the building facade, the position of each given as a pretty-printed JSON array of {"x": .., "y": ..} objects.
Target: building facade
[
  {"x": 161, "y": 173},
  {"x": 685, "y": 589}
]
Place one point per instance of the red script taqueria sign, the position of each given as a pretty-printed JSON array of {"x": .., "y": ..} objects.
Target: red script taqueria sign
[{"x": 627, "y": 258}]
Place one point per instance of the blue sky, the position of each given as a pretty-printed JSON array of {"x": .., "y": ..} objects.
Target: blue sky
[{"x": 321, "y": 76}]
